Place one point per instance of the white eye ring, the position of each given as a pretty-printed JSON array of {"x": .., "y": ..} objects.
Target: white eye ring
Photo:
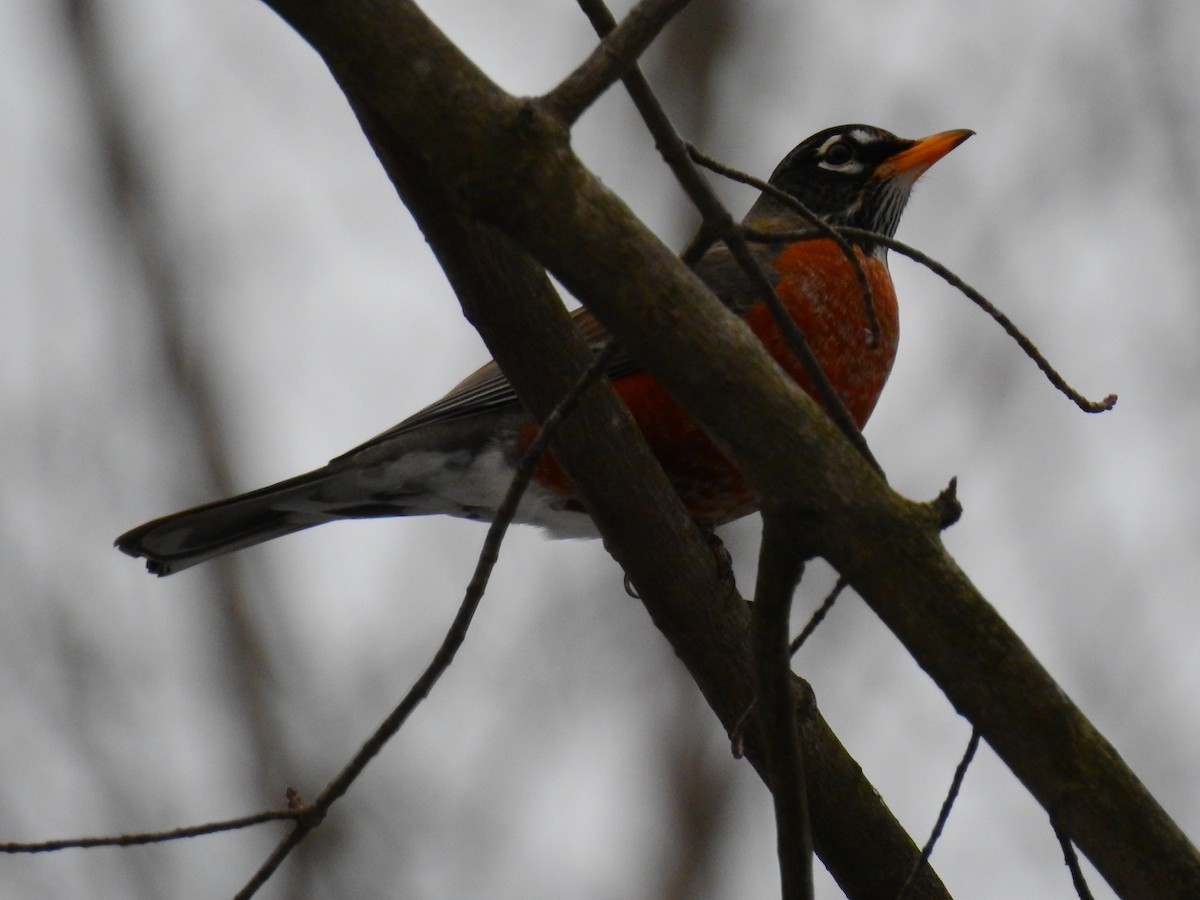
[{"x": 838, "y": 154}]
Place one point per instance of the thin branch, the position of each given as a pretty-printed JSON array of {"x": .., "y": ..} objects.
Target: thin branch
[
  {"x": 620, "y": 48},
  {"x": 780, "y": 567},
  {"x": 947, "y": 275},
  {"x": 817, "y": 617},
  {"x": 719, "y": 223},
  {"x": 453, "y": 640},
  {"x": 670, "y": 145},
  {"x": 705, "y": 237},
  {"x": 1072, "y": 861},
  {"x": 1088, "y": 406},
  {"x": 955, "y": 786},
  {"x": 153, "y": 837}
]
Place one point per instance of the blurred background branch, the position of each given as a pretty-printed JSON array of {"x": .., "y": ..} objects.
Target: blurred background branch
[{"x": 242, "y": 664}]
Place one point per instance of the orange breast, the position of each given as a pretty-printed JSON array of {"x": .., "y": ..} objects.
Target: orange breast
[{"x": 819, "y": 290}]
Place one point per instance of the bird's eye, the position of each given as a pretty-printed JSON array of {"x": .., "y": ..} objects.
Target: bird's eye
[{"x": 839, "y": 153}]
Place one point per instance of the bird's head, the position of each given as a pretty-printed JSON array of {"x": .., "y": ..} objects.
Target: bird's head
[{"x": 856, "y": 175}]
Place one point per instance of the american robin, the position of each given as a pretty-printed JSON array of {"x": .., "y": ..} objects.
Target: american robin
[{"x": 456, "y": 456}]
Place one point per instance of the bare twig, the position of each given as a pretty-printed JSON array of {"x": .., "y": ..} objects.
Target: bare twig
[
  {"x": 153, "y": 837},
  {"x": 947, "y": 275},
  {"x": 454, "y": 638},
  {"x": 719, "y": 223},
  {"x": 1089, "y": 406},
  {"x": 1072, "y": 861},
  {"x": 955, "y": 786},
  {"x": 780, "y": 567},
  {"x": 611, "y": 59},
  {"x": 946, "y": 506},
  {"x": 817, "y": 617},
  {"x": 704, "y": 238}
]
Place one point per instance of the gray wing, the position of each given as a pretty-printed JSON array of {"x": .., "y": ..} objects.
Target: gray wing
[{"x": 488, "y": 390}]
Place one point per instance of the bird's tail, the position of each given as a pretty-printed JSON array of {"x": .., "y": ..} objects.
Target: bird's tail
[{"x": 183, "y": 539}]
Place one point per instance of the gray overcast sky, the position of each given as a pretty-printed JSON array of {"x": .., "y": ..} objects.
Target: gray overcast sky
[{"x": 552, "y": 760}]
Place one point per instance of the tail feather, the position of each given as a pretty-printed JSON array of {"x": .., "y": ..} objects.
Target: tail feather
[{"x": 183, "y": 539}]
